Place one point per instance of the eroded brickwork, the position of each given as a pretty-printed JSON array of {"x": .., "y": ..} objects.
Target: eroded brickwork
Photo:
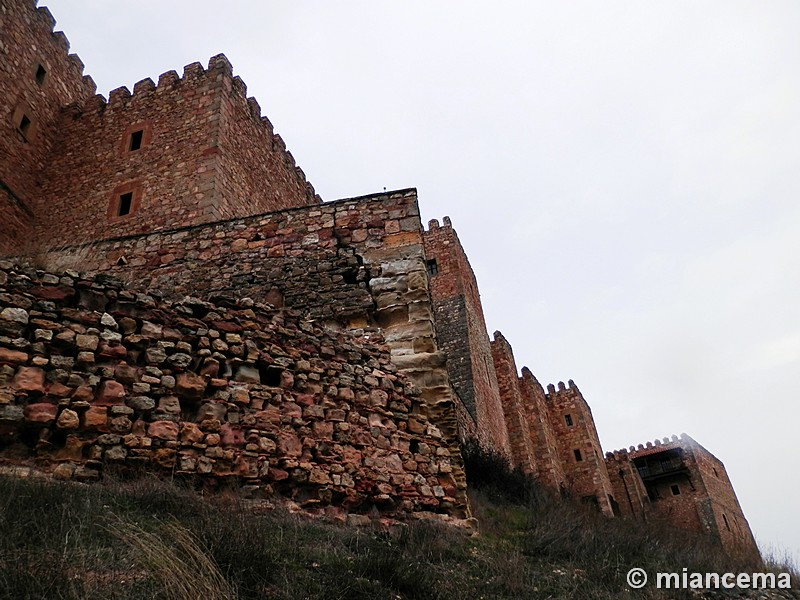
[{"x": 93, "y": 376}]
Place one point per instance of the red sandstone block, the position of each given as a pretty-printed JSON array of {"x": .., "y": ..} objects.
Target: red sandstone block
[
  {"x": 110, "y": 392},
  {"x": 29, "y": 379},
  {"x": 41, "y": 412},
  {"x": 12, "y": 356},
  {"x": 165, "y": 430},
  {"x": 95, "y": 418}
]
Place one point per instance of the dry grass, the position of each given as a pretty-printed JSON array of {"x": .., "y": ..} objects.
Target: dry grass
[{"x": 152, "y": 539}]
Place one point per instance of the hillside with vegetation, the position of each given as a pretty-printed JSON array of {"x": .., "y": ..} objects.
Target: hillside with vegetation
[{"x": 148, "y": 538}]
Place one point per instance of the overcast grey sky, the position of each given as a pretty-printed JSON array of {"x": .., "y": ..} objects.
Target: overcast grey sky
[{"x": 623, "y": 175}]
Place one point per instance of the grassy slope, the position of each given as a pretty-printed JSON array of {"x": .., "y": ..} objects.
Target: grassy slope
[{"x": 151, "y": 539}]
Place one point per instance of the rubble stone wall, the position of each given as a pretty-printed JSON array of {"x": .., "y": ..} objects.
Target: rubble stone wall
[
  {"x": 351, "y": 263},
  {"x": 94, "y": 377}
]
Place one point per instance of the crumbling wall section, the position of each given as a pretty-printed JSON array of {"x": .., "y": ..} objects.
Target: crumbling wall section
[
  {"x": 94, "y": 377},
  {"x": 351, "y": 263}
]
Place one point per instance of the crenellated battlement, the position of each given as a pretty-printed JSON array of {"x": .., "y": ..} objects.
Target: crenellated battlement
[{"x": 42, "y": 18}]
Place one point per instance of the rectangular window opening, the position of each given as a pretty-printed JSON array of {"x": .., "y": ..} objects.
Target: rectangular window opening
[
  {"x": 125, "y": 201},
  {"x": 136, "y": 140},
  {"x": 676, "y": 491},
  {"x": 578, "y": 455},
  {"x": 568, "y": 420},
  {"x": 41, "y": 73},
  {"x": 433, "y": 268},
  {"x": 24, "y": 125}
]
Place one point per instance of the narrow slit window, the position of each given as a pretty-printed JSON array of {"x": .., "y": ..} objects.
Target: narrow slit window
[
  {"x": 676, "y": 491},
  {"x": 578, "y": 455},
  {"x": 41, "y": 73},
  {"x": 136, "y": 140},
  {"x": 125, "y": 202},
  {"x": 24, "y": 125},
  {"x": 568, "y": 420},
  {"x": 433, "y": 268},
  {"x": 724, "y": 518}
]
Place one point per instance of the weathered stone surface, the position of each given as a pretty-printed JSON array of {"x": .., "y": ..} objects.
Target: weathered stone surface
[
  {"x": 110, "y": 392},
  {"x": 68, "y": 419},
  {"x": 166, "y": 430},
  {"x": 16, "y": 315},
  {"x": 29, "y": 379},
  {"x": 190, "y": 385},
  {"x": 13, "y": 356},
  {"x": 42, "y": 413}
]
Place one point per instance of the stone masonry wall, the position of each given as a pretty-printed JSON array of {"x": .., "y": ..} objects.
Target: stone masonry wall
[
  {"x": 544, "y": 441},
  {"x": 16, "y": 221},
  {"x": 37, "y": 77},
  {"x": 587, "y": 476},
  {"x": 626, "y": 485},
  {"x": 351, "y": 263},
  {"x": 461, "y": 333},
  {"x": 256, "y": 174},
  {"x": 94, "y": 377},
  {"x": 203, "y": 156},
  {"x": 522, "y": 451}
]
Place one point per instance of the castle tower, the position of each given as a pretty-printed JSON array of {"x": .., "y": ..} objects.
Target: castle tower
[
  {"x": 523, "y": 455},
  {"x": 38, "y": 77},
  {"x": 543, "y": 438},
  {"x": 190, "y": 149},
  {"x": 461, "y": 333},
  {"x": 579, "y": 446},
  {"x": 683, "y": 484}
]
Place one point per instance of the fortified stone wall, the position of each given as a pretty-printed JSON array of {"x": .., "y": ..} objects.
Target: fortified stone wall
[
  {"x": 728, "y": 515},
  {"x": 256, "y": 172},
  {"x": 94, "y": 377},
  {"x": 17, "y": 220},
  {"x": 549, "y": 467},
  {"x": 627, "y": 486},
  {"x": 461, "y": 332},
  {"x": 350, "y": 263}
]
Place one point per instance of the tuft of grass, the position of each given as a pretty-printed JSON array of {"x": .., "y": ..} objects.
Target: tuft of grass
[{"x": 176, "y": 560}]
